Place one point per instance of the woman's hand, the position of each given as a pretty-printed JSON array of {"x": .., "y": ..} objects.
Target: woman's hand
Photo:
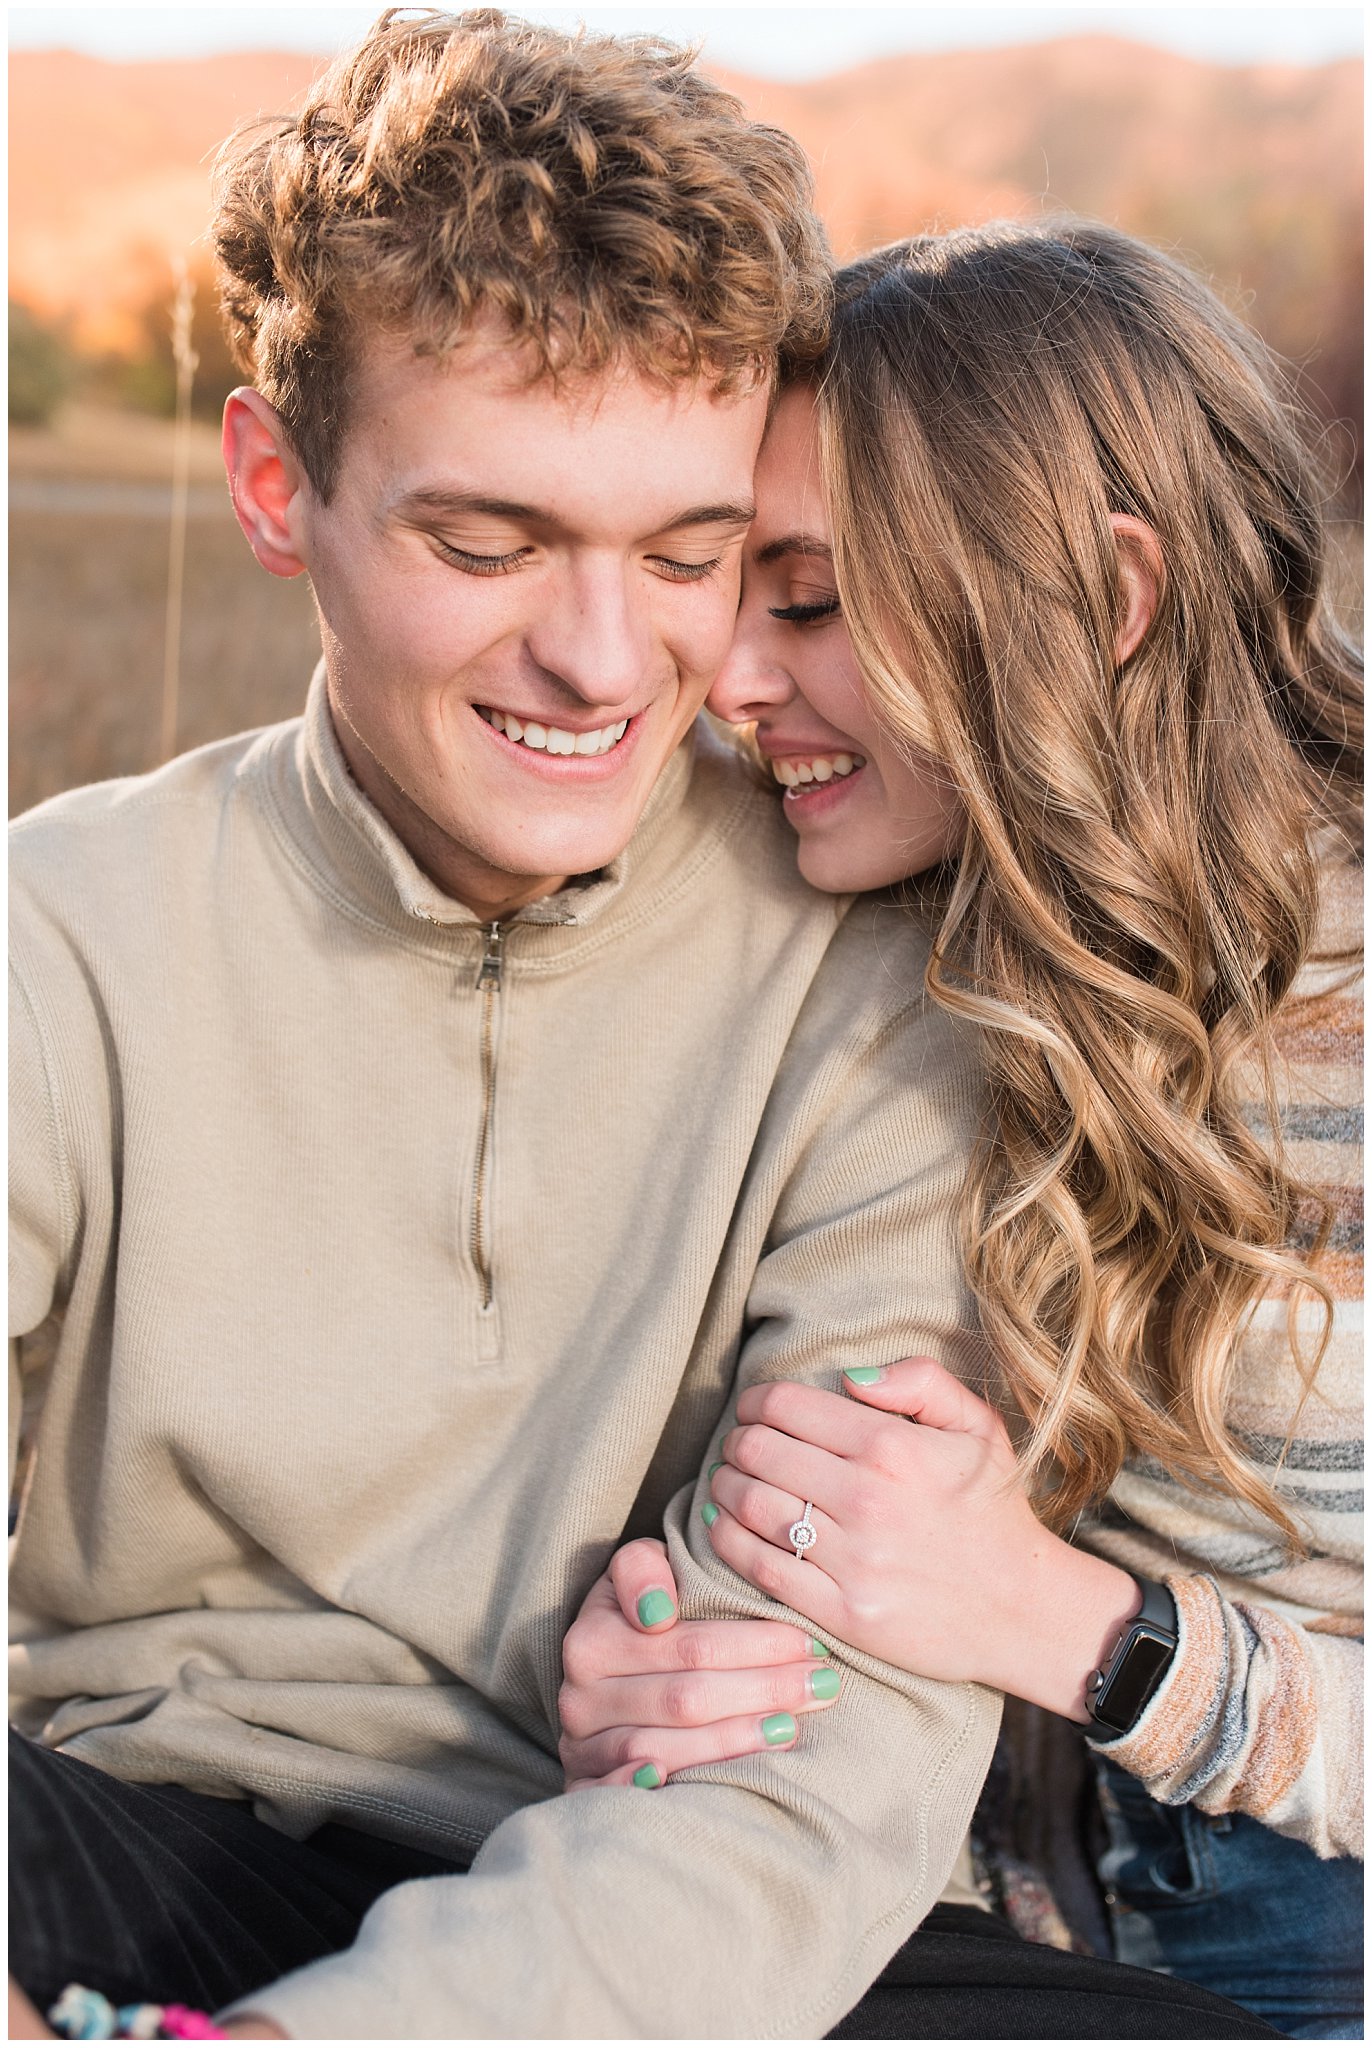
[
  {"x": 929, "y": 1554},
  {"x": 26, "y": 2023},
  {"x": 644, "y": 1694}
]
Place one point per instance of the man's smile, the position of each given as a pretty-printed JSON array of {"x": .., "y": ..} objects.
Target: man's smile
[
  {"x": 556, "y": 753},
  {"x": 553, "y": 739}
]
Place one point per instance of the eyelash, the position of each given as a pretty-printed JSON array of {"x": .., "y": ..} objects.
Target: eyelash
[
  {"x": 687, "y": 572},
  {"x": 501, "y": 565},
  {"x": 481, "y": 565},
  {"x": 806, "y": 614}
]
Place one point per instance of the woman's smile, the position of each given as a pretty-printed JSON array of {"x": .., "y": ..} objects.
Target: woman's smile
[{"x": 865, "y": 811}]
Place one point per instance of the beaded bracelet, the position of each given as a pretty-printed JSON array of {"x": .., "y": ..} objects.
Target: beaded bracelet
[{"x": 84, "y": 2015}]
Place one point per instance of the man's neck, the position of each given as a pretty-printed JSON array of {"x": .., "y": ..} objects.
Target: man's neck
[{"x": 485, "y": 891}]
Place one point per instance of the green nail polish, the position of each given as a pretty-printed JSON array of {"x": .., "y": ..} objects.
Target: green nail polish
[
  {"x": 824, "y": 1685},
  {"x": 655, "y": 1607},
  {"x": 819, "y": 1649},
  {"x": 709, "y": 1514},
  {"x": 864, "y": 1375},
  {"x": 778, "y": 1728},
  {"x": 649, "y": 1777},
  {"x": 716, "y": 1467}
]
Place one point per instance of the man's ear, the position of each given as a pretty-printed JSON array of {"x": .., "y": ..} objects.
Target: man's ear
[
  {"x": 265, "y": 482},
  {"x": 1141, "y": 579}
]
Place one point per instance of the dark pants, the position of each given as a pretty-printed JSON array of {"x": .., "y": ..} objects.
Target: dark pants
[{"x": 149, "y": 1892}]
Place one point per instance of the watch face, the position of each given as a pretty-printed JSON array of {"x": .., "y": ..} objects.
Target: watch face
[{"x": 1131, "y": 1685}]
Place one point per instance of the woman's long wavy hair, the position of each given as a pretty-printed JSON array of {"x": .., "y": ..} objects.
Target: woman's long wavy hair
[{"x": 1139, "y": 884}]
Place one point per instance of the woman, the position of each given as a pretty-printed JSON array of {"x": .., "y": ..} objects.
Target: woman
[{"x": 1071, "y": 629}]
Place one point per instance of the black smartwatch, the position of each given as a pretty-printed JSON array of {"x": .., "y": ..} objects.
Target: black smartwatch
[{"x": 1117, "y": 1694}]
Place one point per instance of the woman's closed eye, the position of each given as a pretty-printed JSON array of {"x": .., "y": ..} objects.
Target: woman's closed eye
[{"x": 806, "y": 614}]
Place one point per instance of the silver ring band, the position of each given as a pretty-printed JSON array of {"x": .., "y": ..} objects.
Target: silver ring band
[{"x": 803, "y": 1534}]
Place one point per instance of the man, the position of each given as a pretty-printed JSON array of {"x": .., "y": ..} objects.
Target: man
[
  {"x": 418, "y": 1105},
  {"x": 426, "y": 1110}
]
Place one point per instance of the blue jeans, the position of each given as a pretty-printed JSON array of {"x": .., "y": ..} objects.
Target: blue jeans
[{"x": 1224, "y": 1902}]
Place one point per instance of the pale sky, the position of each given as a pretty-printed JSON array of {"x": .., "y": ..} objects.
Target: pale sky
[{"x": 789, "y": 40}]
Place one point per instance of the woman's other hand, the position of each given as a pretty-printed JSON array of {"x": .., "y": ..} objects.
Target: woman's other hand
[
  {"x": 928, "y": 1552},
  {"x": 645, "y": 1694},
  {"x": 26, "y": 2023}
]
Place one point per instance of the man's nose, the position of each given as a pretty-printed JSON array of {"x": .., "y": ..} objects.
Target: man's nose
[
  {"x": 595, "y": 639},
  {"x": 752, "y": 680}
]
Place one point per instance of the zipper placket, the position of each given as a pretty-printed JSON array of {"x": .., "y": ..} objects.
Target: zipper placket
[{"x": 488, "y": 983}]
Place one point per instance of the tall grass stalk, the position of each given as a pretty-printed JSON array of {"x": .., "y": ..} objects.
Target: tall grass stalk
[{"x": 183, "y": 306}]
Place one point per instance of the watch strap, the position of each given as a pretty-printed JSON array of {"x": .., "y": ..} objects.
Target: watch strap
[
  {"x": 1159, "y": 1609},
  {"x": 1118, "y": 1692}
]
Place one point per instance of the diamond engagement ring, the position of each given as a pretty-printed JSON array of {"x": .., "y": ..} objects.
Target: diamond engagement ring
[{"x": 803, "y": 1533}]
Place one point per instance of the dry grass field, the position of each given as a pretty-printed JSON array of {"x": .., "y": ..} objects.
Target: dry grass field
[
  {"x": 89, "y": 535},
  {"x": 88, "y": 579}
]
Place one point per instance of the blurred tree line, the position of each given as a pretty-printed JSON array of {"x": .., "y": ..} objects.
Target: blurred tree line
[
  {"x": 42, "y": 368},
  {"x": 1295, "y": 272},
  {"x": 45, "y": 369}
]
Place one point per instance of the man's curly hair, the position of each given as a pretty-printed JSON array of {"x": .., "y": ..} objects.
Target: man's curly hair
[{"x": 597, "y": 193}]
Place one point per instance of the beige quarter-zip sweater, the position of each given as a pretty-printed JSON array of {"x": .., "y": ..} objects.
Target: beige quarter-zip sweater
[{"x": 404, "y": 1266}]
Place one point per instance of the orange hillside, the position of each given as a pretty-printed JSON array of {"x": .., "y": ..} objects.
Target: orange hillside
[{"x": 1254, "y": 171}]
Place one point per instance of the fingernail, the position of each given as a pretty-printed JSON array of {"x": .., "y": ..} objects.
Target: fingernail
[
  {"x": 823, "y": 1685},
  {"x": 865, "y": 1375},
  {"x": 778, "y": 1728},
  {"x": 649, "y": 1777},
  {"x": 819, "y": 1649},
  {"x": 716, "y": 1467},
  {"x": 655, "y": 1606},
  {"x": 709, "y": 1514}
]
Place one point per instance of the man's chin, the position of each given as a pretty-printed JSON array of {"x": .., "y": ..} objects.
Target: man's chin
[
  {"x": 569, "y": 861},
  {"x": 568, "y": 845}
]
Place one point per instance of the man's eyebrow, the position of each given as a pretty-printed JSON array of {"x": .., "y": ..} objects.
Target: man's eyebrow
[
  {"x": 448, "y": 498},
  {"x": 711, "y": 515},
  {"x": 793, "y": 544},
  {"x": 444, "y": 498}
]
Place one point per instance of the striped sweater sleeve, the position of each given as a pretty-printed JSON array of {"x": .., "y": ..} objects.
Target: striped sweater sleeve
[
  {"x": 1257, "y": 1715},
  {"x": 1261, "y": 1710}
]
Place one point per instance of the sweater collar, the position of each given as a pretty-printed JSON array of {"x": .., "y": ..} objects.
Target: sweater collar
[{"x": 348, "y": 842}]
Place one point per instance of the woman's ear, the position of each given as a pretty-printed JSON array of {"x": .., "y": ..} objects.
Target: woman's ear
[
  {"x": 1141, "y": 579},
  {"x": 265, "y": 482}
]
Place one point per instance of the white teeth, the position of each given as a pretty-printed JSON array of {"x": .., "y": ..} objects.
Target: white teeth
[
  {"x": 553, "y": 739},
  {"x": 822, "y": 768}
]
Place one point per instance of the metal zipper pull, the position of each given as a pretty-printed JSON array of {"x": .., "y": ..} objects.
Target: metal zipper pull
[{"x": 492, "y": 958}]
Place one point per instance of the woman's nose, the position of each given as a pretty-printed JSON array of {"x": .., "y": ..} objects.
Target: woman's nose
[{"x": 752, "y": 680}]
